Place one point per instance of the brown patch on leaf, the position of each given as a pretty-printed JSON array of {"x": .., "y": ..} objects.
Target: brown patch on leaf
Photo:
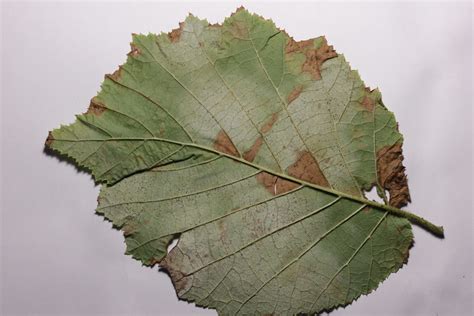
[
  {"x": 269, "y": 124},
  {"x": 175, "y": 34},
  {"x": 128, "y": 230},
  {"x": 314, "y": 57},
  {"x": 367, "y": 101},
  {"x": 222, "y": 230},
  {"x": 224, "y": 144},
  {"x": 96, "y": 108},
  {"x": 49, "y": 139},
  {"x": 391, "y": 173},
  {"x": 180, "y": 280},
  {"x": 116, "y": 75},
  {"x": 294, "y": 46},
  {"x": 239, "y": 30},
  {"x": 295, "y": 93},
  {"x": 250, "y": 154},
  {"x": 135, "y": 51},
  {"x": 307, "y": 169},
  {"x": 275, "y": 185}
]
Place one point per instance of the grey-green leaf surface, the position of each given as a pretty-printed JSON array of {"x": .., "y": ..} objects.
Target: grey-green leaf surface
[{"x": 255, "y": 151}]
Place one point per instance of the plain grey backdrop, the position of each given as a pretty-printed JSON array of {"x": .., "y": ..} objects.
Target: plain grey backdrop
[{"x": 58, "y": 258}]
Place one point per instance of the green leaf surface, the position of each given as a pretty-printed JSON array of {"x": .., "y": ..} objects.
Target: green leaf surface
[{"x": 255, "y": 151}]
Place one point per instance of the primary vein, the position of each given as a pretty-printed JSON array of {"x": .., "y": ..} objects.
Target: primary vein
[{"x": 436, "y": 230}]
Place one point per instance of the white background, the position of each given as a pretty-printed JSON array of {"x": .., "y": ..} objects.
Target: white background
[{"x": 58, "y": 258}]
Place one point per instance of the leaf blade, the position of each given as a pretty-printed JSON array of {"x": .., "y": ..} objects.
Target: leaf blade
[{"x": 265, "y": 128}]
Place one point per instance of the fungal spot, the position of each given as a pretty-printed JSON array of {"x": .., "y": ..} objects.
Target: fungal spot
[
  {"x": 294, "y": 94},
  {"x": 175, "y": 34},
  {"x": 96, "y": 108},
  {"x": 368, "y": 102},
  {"x": 294, "y": 46},
  {"x": 275, "y": 185},
  {"x": 307, "y": 169},
  {"x": 250, "y": 154},
  {"x": 269, "y": 124},
  {"x": 128, "y": 230},
  {"x": 115, "y": 76},
  {"x": 49, "y": 139},
  {"x": 180, "y": 281},
  {"x": 222, "y": 227},
  {"x": 135, "y": 51},
  {"x": 315, "y": 57},
  {"x": 225, "y": 145}
]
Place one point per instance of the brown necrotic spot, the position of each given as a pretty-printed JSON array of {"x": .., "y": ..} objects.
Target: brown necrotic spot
[
  {"x": 49, "y": 139},
  {"x": 128, "y": 230},
  {"x": 275, "y": 185},
  {"x": 222, "y": 227},
  {"x": 315, "y": 57},
  {"x": 180, "y": 281},
  {"x": 135, "y": 51},
  {"x": 175, "y": 34},
  {"x": 295, "y": 93},
  {"x": 391, "y": 174},
  {"x": 116, "y": 75},
  {"x": 367, "y": 101},
  {"x": 239, "y": 30},
  {"x": 224, "y": 144},
  {"x": 294, "y": 46},
  {"x": 96, "y": 108},
  {"x": 269, "y": 124},
  {"x": 250, "y": 154},
  {"x": 307, "y": 169}
]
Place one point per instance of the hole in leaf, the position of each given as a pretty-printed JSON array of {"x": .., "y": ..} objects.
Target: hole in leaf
[
  {"x": 373, "y": 195},
  {"x": 172, "y": 243}
]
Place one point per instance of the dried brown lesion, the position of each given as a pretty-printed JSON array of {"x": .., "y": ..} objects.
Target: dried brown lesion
[
  {"x": 274, "y": 184},
  {"x": 224, "y": 144},
  {"x": 391, "y": 174},
  {"x": 116, "y": 75},
  {"x": 134, "y": 50},
  {"x": 128, "y": 229},
  {"x": 250, "y": 154},
  {"x": 294, "y": 94},
  {"x": 368, "y": 101},
  {"x": 175, "y": 34},
  {"x": 180, "y": 281},
  {"x": 49, "y": 139},
  {"x": 96, "y": 107},
  {"x": 306, "y": 168},
  {"x": 269, "y": 124},
  {"x": 315, "y": 57}
]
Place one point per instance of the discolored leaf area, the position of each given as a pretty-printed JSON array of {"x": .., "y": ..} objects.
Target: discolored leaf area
[{"x": 255, "y": 150}]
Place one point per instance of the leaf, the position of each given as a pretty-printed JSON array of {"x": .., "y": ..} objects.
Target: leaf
[{"x": 255, "y": 150}]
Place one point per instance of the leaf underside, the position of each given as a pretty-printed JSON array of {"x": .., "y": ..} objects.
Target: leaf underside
[{"x": 223, "y": 136}]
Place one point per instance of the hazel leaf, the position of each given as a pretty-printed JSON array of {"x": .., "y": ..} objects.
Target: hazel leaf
[{"x": 256, "y": 151}]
